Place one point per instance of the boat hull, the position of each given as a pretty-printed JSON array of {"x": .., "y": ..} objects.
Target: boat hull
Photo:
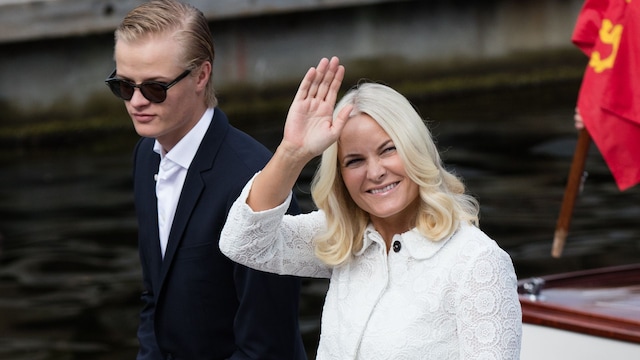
[
  {"x": 593, "y": 314},
  {"x": 548, "y": 343}
]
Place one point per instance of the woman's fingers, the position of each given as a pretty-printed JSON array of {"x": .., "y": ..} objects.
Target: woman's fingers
[
  {"x": 316, "y": 77},
  {"x": 336, "y": 82},
  {"x": 328, "y": 77},
  {"x": 322, "y": 80}
]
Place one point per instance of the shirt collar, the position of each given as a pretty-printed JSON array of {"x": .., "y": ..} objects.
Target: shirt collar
[
  {"x": 185, "y": 150},
  {"x": 417, "y": 245},
  {"x": 370, "y": 236}
]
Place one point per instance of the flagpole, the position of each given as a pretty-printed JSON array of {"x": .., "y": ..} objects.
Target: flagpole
[{"x": 571, "y": 192}]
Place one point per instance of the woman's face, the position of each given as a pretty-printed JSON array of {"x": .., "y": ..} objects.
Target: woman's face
[{"x": 374, "y": 173}]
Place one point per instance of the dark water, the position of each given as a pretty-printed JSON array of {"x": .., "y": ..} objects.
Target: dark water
[{"x": 69, "y": 274}]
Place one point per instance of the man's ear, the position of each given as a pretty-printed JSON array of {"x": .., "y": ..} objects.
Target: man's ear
[{"x": 204, "y": 73}]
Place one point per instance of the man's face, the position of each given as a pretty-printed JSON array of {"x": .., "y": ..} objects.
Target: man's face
[{"x": 156, "y": 58}]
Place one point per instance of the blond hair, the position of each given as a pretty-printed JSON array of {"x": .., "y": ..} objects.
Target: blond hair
[
  {"x": 443, "y": 204},
  {"x": 188, "y": 26}
]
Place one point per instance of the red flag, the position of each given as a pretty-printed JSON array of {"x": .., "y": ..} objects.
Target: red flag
[{"x": 609, "y": 98}]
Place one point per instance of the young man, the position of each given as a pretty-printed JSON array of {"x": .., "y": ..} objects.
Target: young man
[{"x": 189, "y": 167}]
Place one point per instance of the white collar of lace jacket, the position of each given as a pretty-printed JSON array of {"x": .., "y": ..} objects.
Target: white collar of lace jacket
[{"x": 417, "y": 245}]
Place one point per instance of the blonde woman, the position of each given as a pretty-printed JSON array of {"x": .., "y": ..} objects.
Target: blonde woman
[{"x": 411, "y": 275}]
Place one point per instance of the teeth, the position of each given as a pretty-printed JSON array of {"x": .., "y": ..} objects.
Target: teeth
[{"x": 386, "y": 188}]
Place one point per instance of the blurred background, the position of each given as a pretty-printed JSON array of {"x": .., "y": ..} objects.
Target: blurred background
[{"x": 496, "y": 81}]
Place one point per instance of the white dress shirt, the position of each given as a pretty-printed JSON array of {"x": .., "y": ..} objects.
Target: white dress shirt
[
  {"x": 172, "y": 173},
  {"x": 452, "y": 299}
]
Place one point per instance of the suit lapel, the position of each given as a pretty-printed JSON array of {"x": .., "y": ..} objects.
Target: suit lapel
[{"x": 194, "y": 185}]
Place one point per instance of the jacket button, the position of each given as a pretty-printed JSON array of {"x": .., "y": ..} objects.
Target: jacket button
[{"x": 396, "y": 246}]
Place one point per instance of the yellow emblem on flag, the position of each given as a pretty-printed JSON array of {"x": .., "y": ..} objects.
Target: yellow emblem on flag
[{"x": 609, "y": 34}]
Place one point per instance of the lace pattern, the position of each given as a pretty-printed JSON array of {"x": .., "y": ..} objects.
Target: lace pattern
[
  {"x": 272, "y": 241},
  {"x": 453, "y": 299}
]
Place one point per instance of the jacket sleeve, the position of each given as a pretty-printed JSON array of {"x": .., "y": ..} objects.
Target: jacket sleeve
[
  {"x": 148, "y": 349},
  {"x": 272, "y": 241},
  {"x": 489, "y": 316},
  {"x": 266, "y": 324}
]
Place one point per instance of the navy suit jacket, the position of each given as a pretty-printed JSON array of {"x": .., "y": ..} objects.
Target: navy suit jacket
[{"x": 198, "y": 304}]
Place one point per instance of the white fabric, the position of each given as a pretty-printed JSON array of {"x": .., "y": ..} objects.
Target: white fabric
[
  {"x": 168, "y": 186},
  {"x": 453, "y": 299},
  {"x": 172, "y": 173}
]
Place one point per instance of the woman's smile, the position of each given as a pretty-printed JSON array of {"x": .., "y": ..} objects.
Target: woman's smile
[{"x": 384, "y": 189}]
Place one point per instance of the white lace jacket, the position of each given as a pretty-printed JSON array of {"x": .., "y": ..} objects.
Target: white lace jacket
[{"x": 453, "y": 299}]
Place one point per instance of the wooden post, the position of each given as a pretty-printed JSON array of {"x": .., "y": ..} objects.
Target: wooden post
[{"x": 571, "y": 192}]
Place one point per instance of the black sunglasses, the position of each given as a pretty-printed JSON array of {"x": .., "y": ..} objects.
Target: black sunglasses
[{"x": 153, "y": 91}]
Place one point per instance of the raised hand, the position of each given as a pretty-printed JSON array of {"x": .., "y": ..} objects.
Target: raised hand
[{"x": 310, "y": 127}]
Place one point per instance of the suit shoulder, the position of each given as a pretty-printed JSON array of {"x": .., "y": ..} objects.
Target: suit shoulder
[
  {"x": 143, "y": 143},
  {"x": 247, "y": 150}
]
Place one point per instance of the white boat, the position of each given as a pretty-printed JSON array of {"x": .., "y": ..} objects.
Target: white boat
[{"x": 591, "y": 314}]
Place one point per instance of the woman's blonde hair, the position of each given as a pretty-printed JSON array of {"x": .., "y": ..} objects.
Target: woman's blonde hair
[
  {"x": 443, "y": 204},
  {"x": 186, "y": 23}
]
